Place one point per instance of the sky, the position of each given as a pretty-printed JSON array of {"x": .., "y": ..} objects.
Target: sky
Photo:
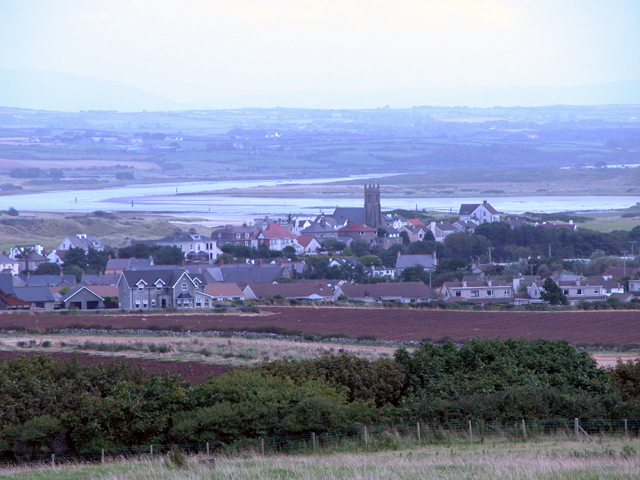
[{"x": 194, "y": 50}]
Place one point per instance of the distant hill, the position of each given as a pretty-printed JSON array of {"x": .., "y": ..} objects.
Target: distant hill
[
  {"x": 511, "y": 96},
  {"x": 68, "y": 92}
]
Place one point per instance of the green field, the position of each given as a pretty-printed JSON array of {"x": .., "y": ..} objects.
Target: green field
[{"x": 561, "y": 460}]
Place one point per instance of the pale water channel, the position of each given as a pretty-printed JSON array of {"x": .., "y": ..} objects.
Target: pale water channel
[{"x": 165, "y": 198}]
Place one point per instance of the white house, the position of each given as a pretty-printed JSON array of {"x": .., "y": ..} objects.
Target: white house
[{"x": 478, "y": 213}]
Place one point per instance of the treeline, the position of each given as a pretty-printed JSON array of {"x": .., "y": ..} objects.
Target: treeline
[{"x": 48, "y": 406}]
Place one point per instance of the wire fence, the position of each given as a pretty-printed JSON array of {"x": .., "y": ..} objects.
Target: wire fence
[{"x": 379, "y": 437}]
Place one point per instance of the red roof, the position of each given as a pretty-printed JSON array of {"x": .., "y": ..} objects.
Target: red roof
[
  {"x": 416, "y": 221},
  {"x": 357, "y": 227},
  {"x": 305, "y": 240},
  {"x": 274, "y": 230}
]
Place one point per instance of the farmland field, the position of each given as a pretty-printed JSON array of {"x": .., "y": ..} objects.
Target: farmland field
[{"x": 578, "y": 327}]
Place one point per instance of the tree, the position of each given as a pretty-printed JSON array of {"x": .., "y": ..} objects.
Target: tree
[
  {"x": 552, "y": 293},
  {"x": 416, "y": 273},
  {"x": 405, "y": 238},
  {"x": 47, "y": 269},
  {"x": 359, "y": 248},
  {"x": 168, "y": 256},
  {"x": 75, "y": 257}
]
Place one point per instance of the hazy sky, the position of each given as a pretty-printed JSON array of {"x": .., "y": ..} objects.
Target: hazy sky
[{"x": 198, "y": 49}]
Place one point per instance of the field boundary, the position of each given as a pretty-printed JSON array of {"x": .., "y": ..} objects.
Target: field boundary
[{"x": 364, "y": 438}]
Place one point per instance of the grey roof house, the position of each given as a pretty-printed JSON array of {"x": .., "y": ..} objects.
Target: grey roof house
[{"x": 160, "y": 289}]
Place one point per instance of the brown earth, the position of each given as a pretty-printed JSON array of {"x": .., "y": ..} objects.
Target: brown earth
[
  {"x": 190, "y": 371},
  {"x": 578, "y": 327}
]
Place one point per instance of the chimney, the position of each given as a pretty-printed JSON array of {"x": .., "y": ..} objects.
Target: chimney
[{"x": 484, "y": 202}]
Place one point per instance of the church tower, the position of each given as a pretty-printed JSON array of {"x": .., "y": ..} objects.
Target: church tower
[{"x": 372, "y": 209}]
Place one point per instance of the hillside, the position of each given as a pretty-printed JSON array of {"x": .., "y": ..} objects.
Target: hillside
[{"x": 49, "y": 229}]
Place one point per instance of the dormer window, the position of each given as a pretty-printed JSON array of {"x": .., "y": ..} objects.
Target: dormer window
[
  {"x": 141, "y": 286},
  {"x": 184, "y": 287}
]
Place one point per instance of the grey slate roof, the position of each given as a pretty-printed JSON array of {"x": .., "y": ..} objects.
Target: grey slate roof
[
  {"x": 355, "y": 214},
  {"x": 384, "y": 291},
  {"x": 244, "y": 274},
  {"x": 77, "y": 289},
  {"x": 468, "y": 208},
  {"x": 150, "y": 277},
  {"x": 48, "y": 280},
  {"x": 127, "y": 263},
  {"x": 34, "y": 294},
  {"x": 406, "y": 261},
  {"x": 105, "y": 279},
  {"x": 6, "y": 283}
]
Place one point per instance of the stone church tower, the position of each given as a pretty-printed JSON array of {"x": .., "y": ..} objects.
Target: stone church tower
[{"x": 372, "y": 209}]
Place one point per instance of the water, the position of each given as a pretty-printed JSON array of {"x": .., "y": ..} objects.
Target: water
[{"x": 163, "y": 198}]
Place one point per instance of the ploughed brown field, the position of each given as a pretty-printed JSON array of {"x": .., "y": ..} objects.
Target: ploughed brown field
[
  {"x": 599, "y": 327},
  {"x": 190, "y": 371}
]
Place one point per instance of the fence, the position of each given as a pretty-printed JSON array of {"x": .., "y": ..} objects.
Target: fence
[{"x": 380, "y": 437}]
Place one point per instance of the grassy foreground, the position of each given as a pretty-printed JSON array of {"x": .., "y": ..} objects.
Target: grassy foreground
[{"x": 602, "y": 460}]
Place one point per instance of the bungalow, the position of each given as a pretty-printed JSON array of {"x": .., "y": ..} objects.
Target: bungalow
[
  {"x": 319, "y": 291},
  {"x": 39, "y": 298},
  {"x": 224, "y": 292},
  {"x": 82, "y": 298},
  {"x": 408, "y": 292},
  {"x": 442, "y": 230},
  {"x": 478, "y": 291}
]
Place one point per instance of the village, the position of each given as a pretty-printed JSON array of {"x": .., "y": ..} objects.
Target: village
[{"x": 326, "y": 258}]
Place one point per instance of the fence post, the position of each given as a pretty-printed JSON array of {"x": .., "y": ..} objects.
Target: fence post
[
  {"x": 576, "y": 428},
  {"x": 53, "y": 459},
  {"x": 151, "y": 449},
  {"x": 626, "y": 432},
  {"x": 207, "y": 448},
  {"x": 262, "y": 445},
  {"x": 313, "y": 439},
  {"x": 366, "y": 437},
  {"x": 102, "y": 456},
  {"x": 418, "y": 430},
  {"x": 524, "y": 429},
  {"x": 470, "y": 432}
]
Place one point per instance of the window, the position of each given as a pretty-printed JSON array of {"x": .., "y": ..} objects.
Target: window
[
  {"x": 206, "y": 302},
  {"x": 237, "y": 235},
  {"x": 158, "y": 286},
  {"x": 145, "y": 304},
  {"x": 198, "y": 303},
  {"x": 566, "y": 292},
  {"x": 489, "y": 293},
  {"x": 184, "y": 287},
  {"x": 579, "y": 291},
  {"x": 179, "y": 301},
  {"x": 475, "y": 293},
  {"x": 458, "y": 293},
  {"x": 141, "y": 286},
  {"x": 153, "y": 302},
  {"x": 507, "y": 292},
  {"x": 137, "y": 303},
  {"x": 596, "y": 291}
]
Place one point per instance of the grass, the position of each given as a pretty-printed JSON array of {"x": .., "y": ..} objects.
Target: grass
[
  {"x": 228, "y": 351},
  {"x": 608, "y": 460}
]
